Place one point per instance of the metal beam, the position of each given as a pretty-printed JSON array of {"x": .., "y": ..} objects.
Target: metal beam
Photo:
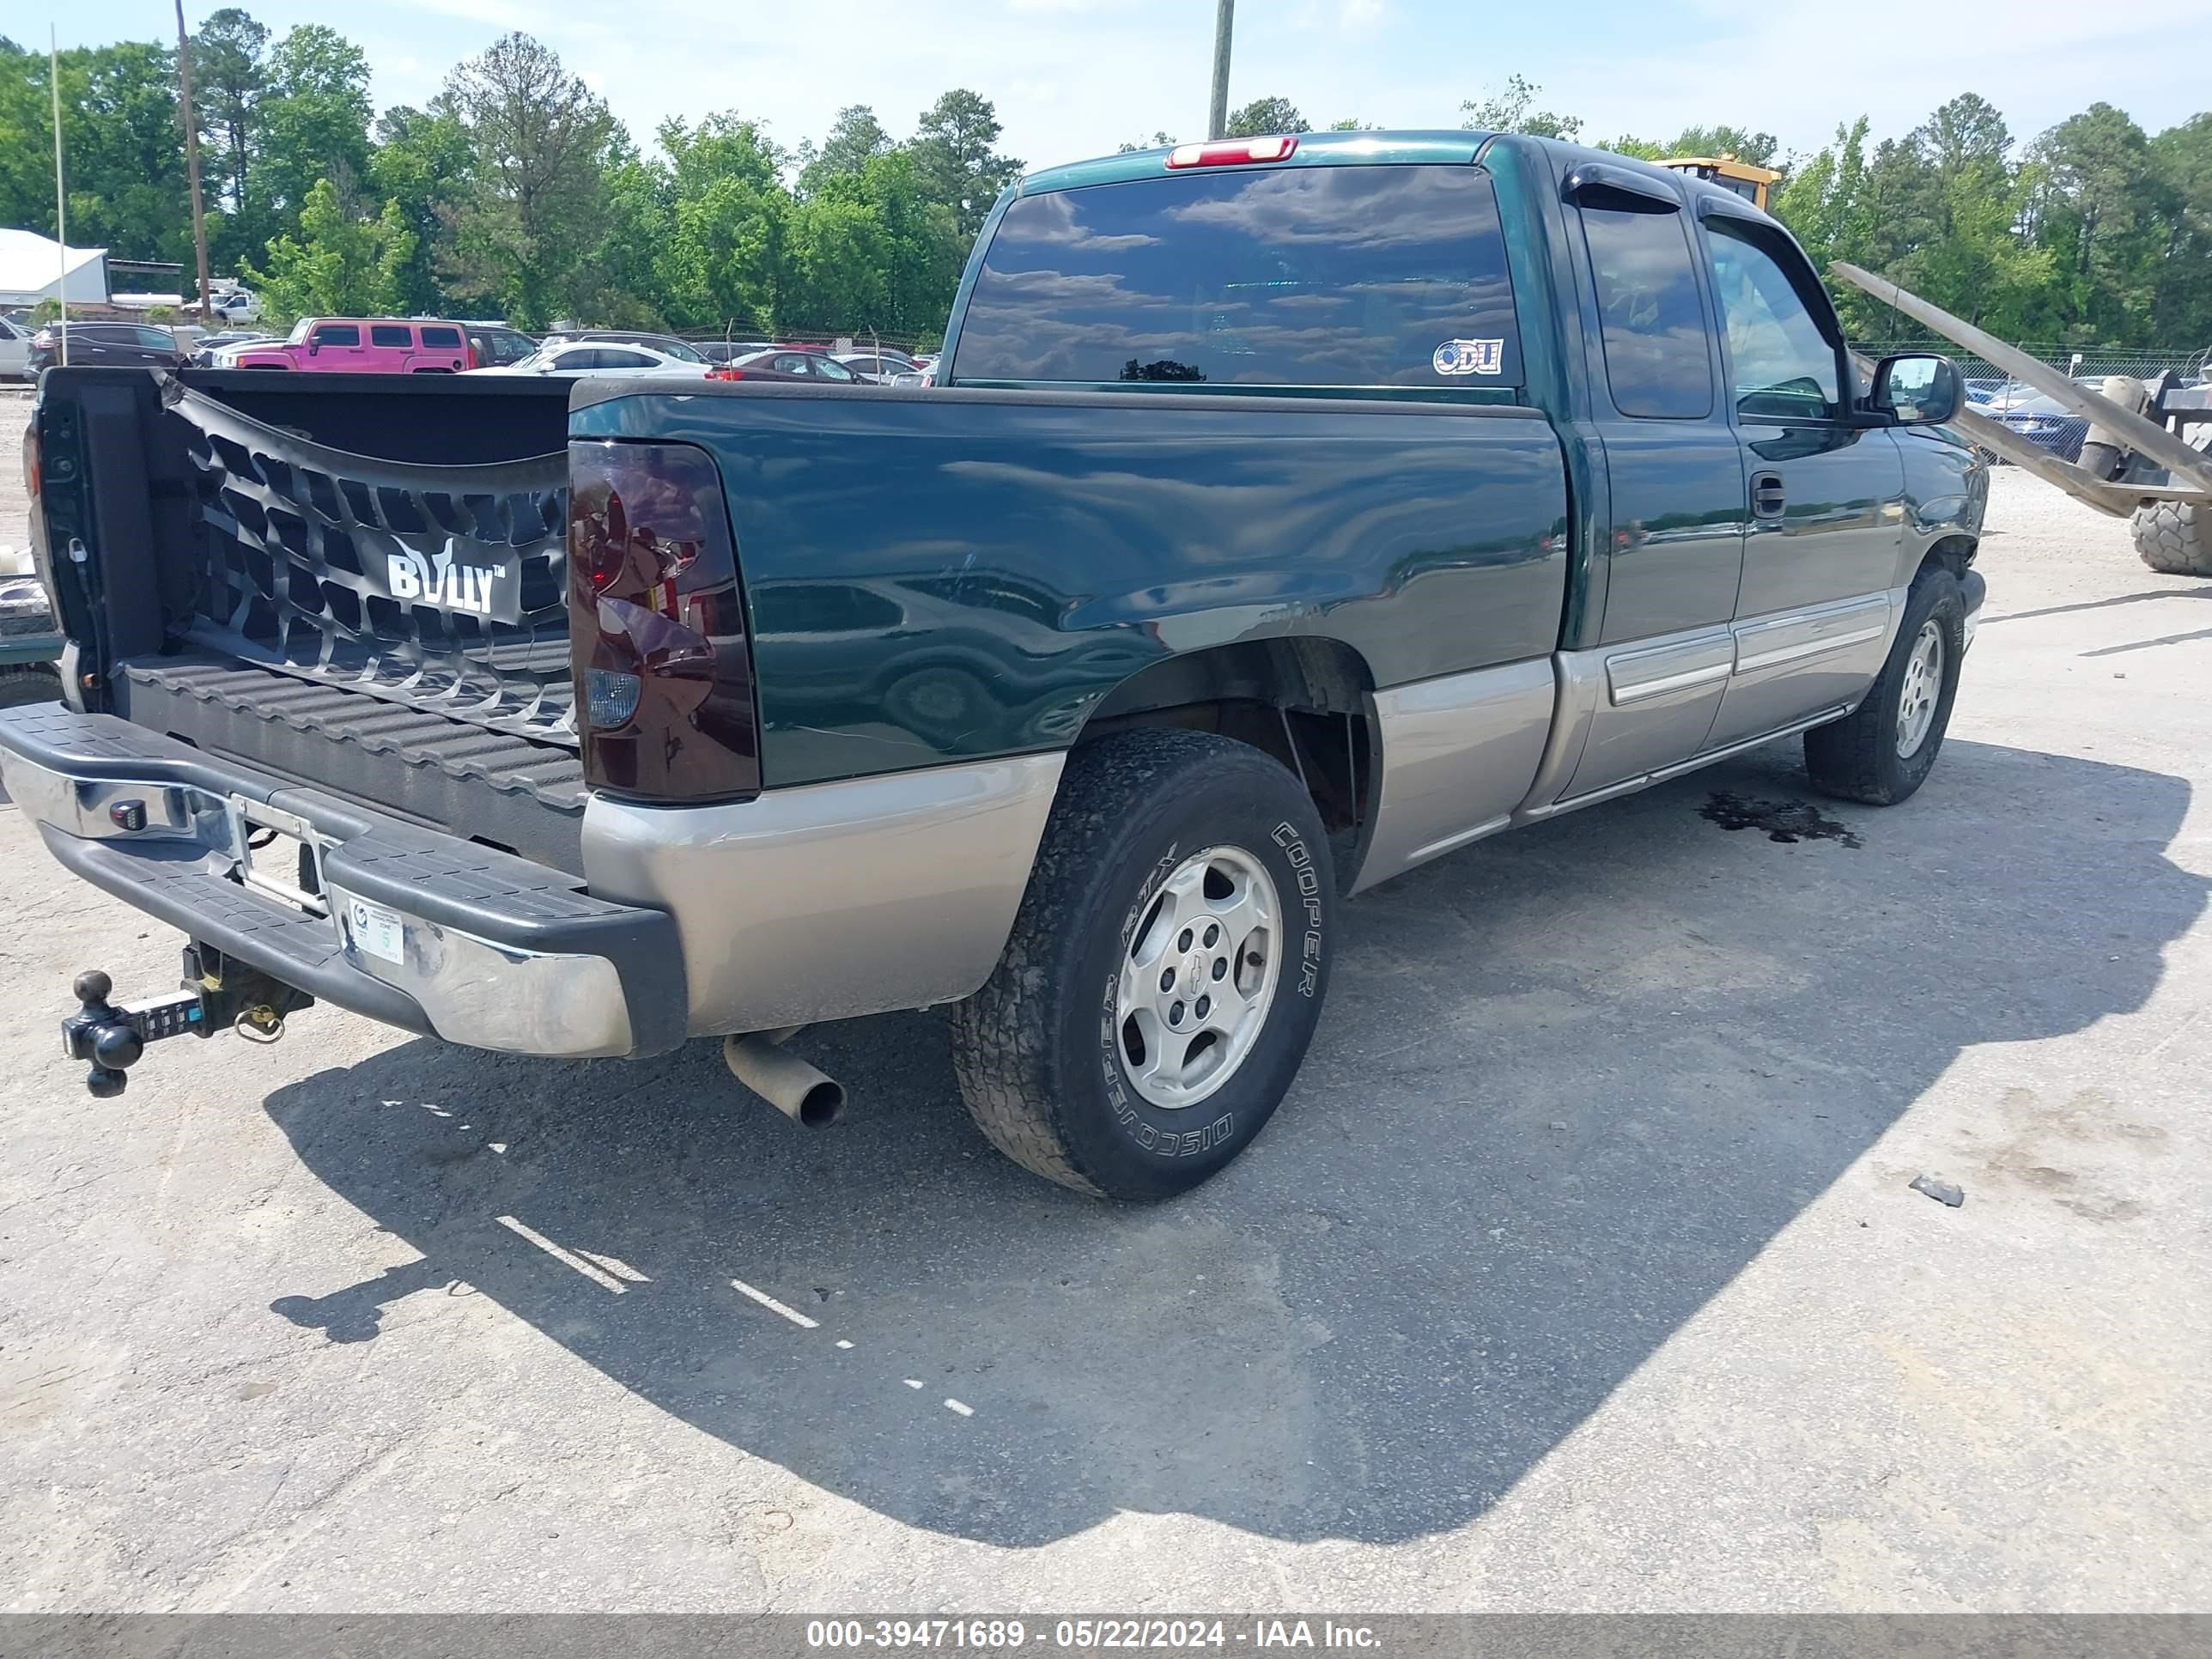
[
  {"x": 2140, "y": 434},
  {"x": 1224, "y": 21}
]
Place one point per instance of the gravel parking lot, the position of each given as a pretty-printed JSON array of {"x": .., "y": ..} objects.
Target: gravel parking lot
[{"x": 1580, "y": 1271}]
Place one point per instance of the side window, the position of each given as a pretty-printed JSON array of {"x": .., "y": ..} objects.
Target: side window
[
  {"x": 441, "y": 339},
  {"x": 831, "y": 369},
  {"x": 338, "y": 334},
  {"x": 159, "y": 338},
  {"x": 624, "y": 360},
  {"x": 390, "y": 334},
  {"x": 1653, "y": 326},
  {"x": 1781, "y": 366},
  {"x": 791, "y": 363},
  {"x": 569, "y": 361}
]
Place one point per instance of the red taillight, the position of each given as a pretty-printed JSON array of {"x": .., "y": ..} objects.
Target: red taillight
[
  {"x": 1234, "y": 152},
  {"x": 726, "y": 372},
  {"x": 657, "y": 625}
]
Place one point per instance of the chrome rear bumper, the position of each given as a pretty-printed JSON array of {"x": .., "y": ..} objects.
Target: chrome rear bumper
[{"x": 419, "y": 929}]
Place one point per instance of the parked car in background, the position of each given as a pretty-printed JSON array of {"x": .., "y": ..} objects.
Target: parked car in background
[
  {"x": 755, "y": 372},
  {"x": 682, "y": 350},
  {"x": 365, "y": 345},
  {"x": 14, "y": 351},
  {"x": 803, "y": 364},
  {"x": 218, "y": 350},
  {"x": 878, "y": 366},
  {"x": 2043, "y": 421},
  {"x": 728, "y": 351},
  {"x": 230, "y": 303},
  {"x": 107, "y": 344},
  {"x": 602, "y": 357},
  {"x": 496, "y": 344}
]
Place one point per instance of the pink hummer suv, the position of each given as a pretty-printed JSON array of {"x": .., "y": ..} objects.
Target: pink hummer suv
[{"x": 367, "y": 345}]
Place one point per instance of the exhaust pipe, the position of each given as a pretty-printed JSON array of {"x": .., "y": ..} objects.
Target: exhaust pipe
[{"x": 787, "y": 1083}]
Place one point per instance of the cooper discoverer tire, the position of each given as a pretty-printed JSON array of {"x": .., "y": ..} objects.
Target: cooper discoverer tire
[
  {"x": 1866, "y": 756},
  {"x": 1182, "y": 885}
]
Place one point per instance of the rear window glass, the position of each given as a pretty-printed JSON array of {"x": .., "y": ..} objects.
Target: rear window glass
[
  {"x": 1653, "y": 321},
  {"x": 337, "y": 334},
  {"x": 389, "y": 334},
  {"x": 442, "y": 339},
  {"x": 1322, "y": 276}
]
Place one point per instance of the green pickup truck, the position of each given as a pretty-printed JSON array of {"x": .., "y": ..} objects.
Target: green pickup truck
[{"x": 1288, "y": 511}]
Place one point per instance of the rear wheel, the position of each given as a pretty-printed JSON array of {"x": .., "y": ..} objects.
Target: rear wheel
[
  {"x": 1882, "y": 751},
  {"x": 1164, "y": 974}
]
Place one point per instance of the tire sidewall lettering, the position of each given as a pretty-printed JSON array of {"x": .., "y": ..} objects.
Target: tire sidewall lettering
[{"x": 1285, "y": 836}]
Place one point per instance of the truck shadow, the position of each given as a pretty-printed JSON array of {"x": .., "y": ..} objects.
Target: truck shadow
[{"x": 1569, "y": 1085}]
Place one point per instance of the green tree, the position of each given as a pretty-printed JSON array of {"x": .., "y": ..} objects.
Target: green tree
[
  {"x": 1265, "y": 115},
  {"x": 953, "y": 149},
  {"x": 856, "y": 138},
  {"x": 1158, "y": 141},
  {"x": 337, "y": 264},
  {"x": 420, "y": 165},
  {"x": 229, "y": 78},
  {"x": 529, "y": 217},
  {"x": 1514, "y": 109},
  {"x": 726, "y": 263},
  {"x": 2102, "y": 211},
  {"x": 312, "y": 119},
  {"x": 2181, "y": 309},
  {"x": 1758, "y": 148}
]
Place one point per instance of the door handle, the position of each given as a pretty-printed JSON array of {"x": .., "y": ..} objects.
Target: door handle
[{"x": 1767, "y": 498}]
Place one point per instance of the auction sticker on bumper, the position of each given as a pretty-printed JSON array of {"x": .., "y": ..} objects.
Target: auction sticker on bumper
[{"x": 375, "y": 930}]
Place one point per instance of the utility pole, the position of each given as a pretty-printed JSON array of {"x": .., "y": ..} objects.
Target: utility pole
[
  {"x": 1225, "y": 20},
  {"x": 61, "y": 189},
  {"x": 193, "y": 161}
]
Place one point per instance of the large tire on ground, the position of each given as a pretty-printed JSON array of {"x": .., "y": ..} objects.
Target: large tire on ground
[
  {"x": 2176, "y": 536},
  {"x": 1164, "y": 974},
  {"x": 1883, "y": 750}
]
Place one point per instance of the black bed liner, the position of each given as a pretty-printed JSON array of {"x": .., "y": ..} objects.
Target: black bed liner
[{"x": 486, "y": 785}]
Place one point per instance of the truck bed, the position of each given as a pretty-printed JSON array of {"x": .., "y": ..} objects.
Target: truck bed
[{"x": 243, "y": 525}]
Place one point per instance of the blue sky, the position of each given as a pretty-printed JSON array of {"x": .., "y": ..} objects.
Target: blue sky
[{"x": 1075, "y": 77}]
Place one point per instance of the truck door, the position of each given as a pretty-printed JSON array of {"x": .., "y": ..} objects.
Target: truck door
[
  {"x": 1673, "y": 544},
  {"x": 1827, "y": 520}
]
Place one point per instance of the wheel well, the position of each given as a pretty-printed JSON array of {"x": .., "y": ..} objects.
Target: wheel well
[
  {"x": 1302, "y": 701},
  {"x": 1954, "y": 553}
]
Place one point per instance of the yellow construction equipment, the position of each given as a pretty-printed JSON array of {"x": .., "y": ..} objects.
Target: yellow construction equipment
[{"x": 1746, "y": 181}]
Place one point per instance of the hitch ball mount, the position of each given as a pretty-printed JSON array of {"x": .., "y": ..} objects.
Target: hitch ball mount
[{"x": 217, "y": 995}]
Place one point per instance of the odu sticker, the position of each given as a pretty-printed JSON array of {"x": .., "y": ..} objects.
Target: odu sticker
[{"x": 1470, "y": 357}]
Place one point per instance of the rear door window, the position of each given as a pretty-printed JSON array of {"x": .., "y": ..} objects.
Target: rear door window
[
  {"x": 1649, "y": 313},
  {"x": 159, "y": 338},
  {"x": 441, "y": 339},
  {"x": 1319, "y": 276},
  {"x": 390, "y": 334}
]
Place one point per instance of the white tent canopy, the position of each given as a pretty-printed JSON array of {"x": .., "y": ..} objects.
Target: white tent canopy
[{"x": 32, "y": 265}]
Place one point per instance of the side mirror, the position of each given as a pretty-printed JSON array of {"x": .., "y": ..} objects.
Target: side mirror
[
  {"x": 1918, "y": 388},
  {"x": 314, "y": 346}
]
